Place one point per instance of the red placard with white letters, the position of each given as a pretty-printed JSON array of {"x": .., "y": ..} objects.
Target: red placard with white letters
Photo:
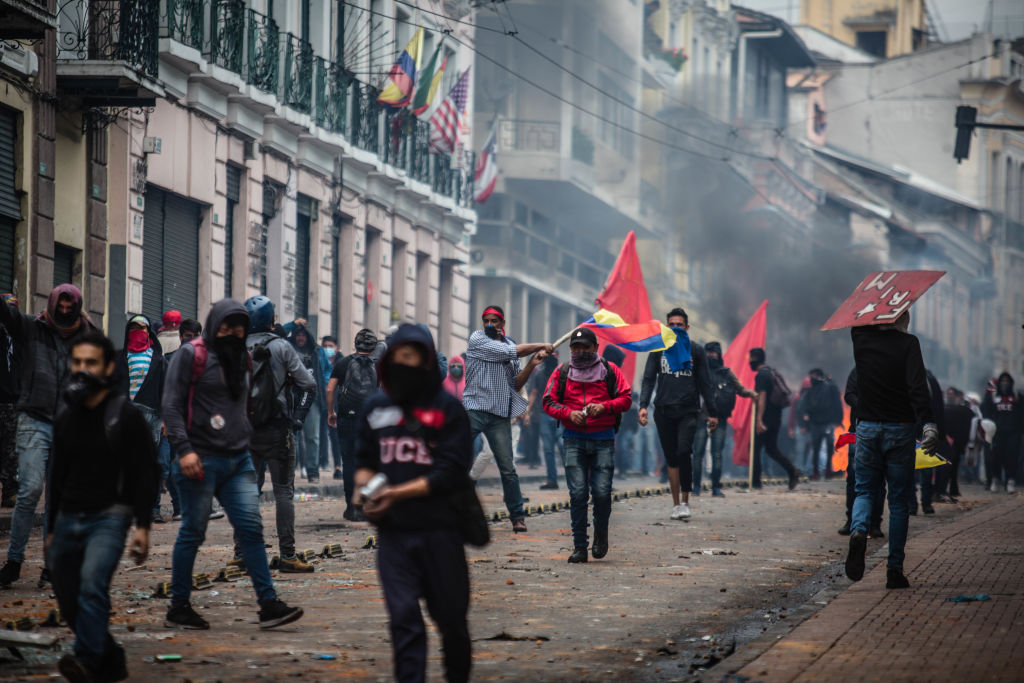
[{"x": 882, "y": 298}]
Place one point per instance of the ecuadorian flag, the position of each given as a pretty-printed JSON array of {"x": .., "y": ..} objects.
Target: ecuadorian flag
[
  {"x": 648, "y": 336},
  {"x": 399, "y": 91}
]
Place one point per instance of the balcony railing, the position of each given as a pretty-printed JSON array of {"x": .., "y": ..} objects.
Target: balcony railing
[
  {"x": 227, "y": 34},
  {"x": 367, "y": 118},
  {"x": 185, "y": 22},
  {"x": 110, "y": 30},
  {"x": 530, "y": 136},
  {"x": 262, "y": 67},
  {"x": 331, "y": 95},
  {"x": 298, "y": 73}
]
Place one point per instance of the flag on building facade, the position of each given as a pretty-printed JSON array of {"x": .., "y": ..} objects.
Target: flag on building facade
[
  {"x": 399, "y": 91},
  {"x": 429, "y": 82},
  {"x": 735, "y": 357},
  {"x": 485, "y": 176},
  {"x": 447, "y": 118}
]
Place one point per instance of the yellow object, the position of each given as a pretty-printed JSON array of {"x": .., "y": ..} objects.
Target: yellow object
[{"x": 924, "y": 461}]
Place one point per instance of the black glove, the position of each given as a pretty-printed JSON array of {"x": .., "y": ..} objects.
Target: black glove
[{"x": 297, "y": 424}]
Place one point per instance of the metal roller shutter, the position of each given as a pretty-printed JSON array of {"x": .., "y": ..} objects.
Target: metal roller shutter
[
  {"x": 153, "y": 254},
  {"x": 234, "y": 181},
  {"x": 63, "y": 263},
  {"x": 181, "y": 255},
  {"x": 7, "y": 227},
  {"x": 302, "y": 266},
  {"x": 10, "y": 204},
  {"x": 336, "y": 283}
]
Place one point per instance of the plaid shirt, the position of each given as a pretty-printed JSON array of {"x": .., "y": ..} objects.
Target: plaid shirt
[{"x": 491, "y": 369}]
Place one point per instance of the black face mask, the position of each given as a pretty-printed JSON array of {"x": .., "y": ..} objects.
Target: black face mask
[
  {"x": 65, "y": 319},
  {"x": 754, "y": 365},
  {"x": 82, "y": 385},
  {"x": 455, "y": 371},
  {"x": 406, "y": 383},
  {"x": 491, "y": 331},
  {"x": 816, "y": 380},
  {"x": 1004, "y": 388},
  {"x": 714, "y": 363},
  {"x": 233, "y": 358}
]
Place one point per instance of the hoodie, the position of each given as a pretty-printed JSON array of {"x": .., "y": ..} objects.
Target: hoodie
[
  {"x": 45, "y": 349},
  {"x": 314, "y": 359},
  {"x": 453, "y": 386},
  {"x": 220, "y": 422},
  {"x": 152, "y": 390},
  {"x": 288, "y": 369},
  {"x": 1006, "y": 409},
  {"x": 431, "y": 438}
]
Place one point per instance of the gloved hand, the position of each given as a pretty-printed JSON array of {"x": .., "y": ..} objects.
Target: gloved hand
[
  {"x": 930, "y": 438},
  {"x": 296, "y": 424}
]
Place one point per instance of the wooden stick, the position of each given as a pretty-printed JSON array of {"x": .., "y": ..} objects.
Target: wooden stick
[
  {"x": 753, "y": 435},
  {"x": 564, "y": 338}
]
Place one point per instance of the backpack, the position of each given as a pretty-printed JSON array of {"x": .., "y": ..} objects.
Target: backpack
[
  {"x": 609, "y": 381},
  {"x": 263, "y": 404},
  {"x": 202, "y": 353},
  {"x": 780, "y": 396},
  {"x": 360, "y": 381},
  {"x": 725, "y": 394}
]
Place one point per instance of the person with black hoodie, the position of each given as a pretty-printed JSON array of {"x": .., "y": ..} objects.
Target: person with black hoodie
[
  {"x": 139, "y": 374},
  {"x": 205, "y": 407},
  {"x": 104, "y": 474},
  {"x": 45, "y": 341},
  {"x": 419, "y": 437},
  {"x": 315, "y": 361},
  {"x": 1005, "y": 407}
]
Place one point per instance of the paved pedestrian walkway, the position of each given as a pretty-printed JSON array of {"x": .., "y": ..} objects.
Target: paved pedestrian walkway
[{"x": 869, "y": 633}]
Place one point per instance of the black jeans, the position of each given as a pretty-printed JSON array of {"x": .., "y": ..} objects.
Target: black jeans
[
  {"x": 1005, "y": 451},
  {"x": 347, "y": 432},
  {"x": 676, "y": 432},
  {"x": 429, "y": 565},
  {"x": 769, "y": 442},
  {"x": 274, "y": 446},
  {"x": 817, "y": 434}
]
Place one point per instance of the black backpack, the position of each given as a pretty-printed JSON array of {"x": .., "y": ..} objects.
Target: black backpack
[
  {"x": 609, "y": 381},
  {"x": 360, "y": 381},
  {"x": 725, "y": 393},
  {"x": 263, "y": 404}
]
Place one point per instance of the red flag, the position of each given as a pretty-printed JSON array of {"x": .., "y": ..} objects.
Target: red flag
[
  {"x": 882, "y": 297},
  {"x": 751, "y": 336},
  {"x": 626, "y": 295}
]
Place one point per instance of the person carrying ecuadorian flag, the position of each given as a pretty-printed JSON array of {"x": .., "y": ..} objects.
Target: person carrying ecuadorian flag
[{"x": 399, "y": 91}]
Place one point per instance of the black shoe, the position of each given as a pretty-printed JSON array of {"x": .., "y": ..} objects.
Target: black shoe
[
  {"x": 894, "y": 579},
  {"x": 578, "y": 556},
  {"x": 347, "y": 514},
  {"x": 337, "y": 474},
  {"x": 276, "y": 613},
  {"x": 75, "y": 670},
  {"x": 794, "y": 479},
  {"x": 927, "y": 508},
  {"x": 844, "y": 530},
  {"x": 941, "y": 498},
  {"x": 549, "y": 486},
  {"x": 44, "y": 579},
  {"x": 912, "y": 511},
  {"x": 855, "y": 556},
  {"x": 159, "y": 519},
  {"x": 114, "y": 666},
  {"x": 10, "y": 573},
  {"x": 183, "y": 616},
  {"x": 600, "y": 548},
  {"x": 875, "y": 532},
  {"x": 354, "y": 514}
]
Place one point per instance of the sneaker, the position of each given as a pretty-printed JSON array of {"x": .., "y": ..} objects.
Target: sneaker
[
  {"x": 44, "y": 579},
  {"x": 519, "y": 526},
  {"x": 927, "y": 508},
  {"x": 600, "y": 548},
  {"x": 183, "y": 616},
  {"x": 276, "y": 613},
  {"x": 176, "y": 517},
  {"x": 549, "y": 486},
  {"x": 10, "y": 573},
  {"x": 855, "y": 556},
  {"x": 1011, "y": 486},
  {"x": 681, "y": 511},
  {"x": 579, "y": 556},
  {"x": 159, "y": 519},
  {"x": 75, "y": 670},
  {"x": 794, "y": 479},
  {"x": 717, "y": 493},
  {"x": 894, "y": 578},
  {"x": 844, "y": 530},
  {"x": 994, "y": 488},
  {"x": 217, "y": 514},
  {"x": 294, "y": 565},
  {"x": 337, "y": 474},
  {"x": 875, "y": 532}
]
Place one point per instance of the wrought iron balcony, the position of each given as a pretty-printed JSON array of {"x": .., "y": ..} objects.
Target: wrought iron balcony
[
  {"x": 298, "y": 73},
  {"x": 367, "y": 118},
  {"x": 262, "y": 58},
  {"x": 227, "y": 34},
  {"x": 331, "y": 94},
  {"x": 105, "y": 48},
  {"x": 25, "y": 19},
  {"x": 185, "y": 22},
  {"x": 530, "y": 136}
]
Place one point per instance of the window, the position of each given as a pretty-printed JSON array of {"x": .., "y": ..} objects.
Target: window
[
  {"x": 10, "y": 203},
  {"x": 66, "y": 265},
  {"x": 306, "y": 211},
  {"x": 371, "y": 268},
  {"x": 487, "y": 235},
  {"x": 423, "y": 288},
  {"x": 521, "y": 214},
  {"x": 445, "y": 301},
  {"x": 170, "y": 254},
  {"x": 618, "y": 118},
  {"x": 539, "y": 250},
  {"x": 398, "y": 279},
  {"x": 872, "y": 42},
  {"x": 234, "y": 183}
]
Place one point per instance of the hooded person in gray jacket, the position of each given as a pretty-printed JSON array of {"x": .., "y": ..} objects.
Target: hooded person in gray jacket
[{"x": 205, "y": 408}]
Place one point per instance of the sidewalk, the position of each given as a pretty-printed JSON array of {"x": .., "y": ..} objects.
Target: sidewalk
[{"x": 869, "y": 633}]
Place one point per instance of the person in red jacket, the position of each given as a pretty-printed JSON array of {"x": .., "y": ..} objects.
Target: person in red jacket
[{"x": 587, "y": 395}]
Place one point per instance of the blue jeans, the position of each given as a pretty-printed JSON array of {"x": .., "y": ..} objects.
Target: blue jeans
[
  {"x": 232, "y": 479},
  {"x": 700, "y": 446},
  {"x": 308, "y": 440},
  {"x": 34, "y": 445},
  {"x": 589, "y": 466},
  {"x": 885, "y": 453},
  {"x": 82, "y": 560},
  {"x": 165, "y": 455},
  {"x": 548, "y": 440},
  {"x": 498, "y": 431}
]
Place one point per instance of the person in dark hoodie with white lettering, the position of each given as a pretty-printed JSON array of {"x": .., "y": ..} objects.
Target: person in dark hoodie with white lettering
[
  {"x": 205, "y": 407},
  {"x": 419, "y": 437}
]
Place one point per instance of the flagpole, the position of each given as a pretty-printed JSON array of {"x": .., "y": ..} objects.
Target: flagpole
[
  {"x": 564, "y": 338},
  {"x": 753, "y": 434}
]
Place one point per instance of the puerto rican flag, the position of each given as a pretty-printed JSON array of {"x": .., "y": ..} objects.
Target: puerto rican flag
[{"x": 485, "y": 176}]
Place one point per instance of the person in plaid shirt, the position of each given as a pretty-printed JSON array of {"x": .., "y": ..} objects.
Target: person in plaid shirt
[{"x": 494, "y": 377}]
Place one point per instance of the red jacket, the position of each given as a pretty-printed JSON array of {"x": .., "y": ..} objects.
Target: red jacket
[{"x": 579, "y": 394}]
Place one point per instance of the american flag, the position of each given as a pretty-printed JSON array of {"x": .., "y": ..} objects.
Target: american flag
[{"x": 444, "y": 124}]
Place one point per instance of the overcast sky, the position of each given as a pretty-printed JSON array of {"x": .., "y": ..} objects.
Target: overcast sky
[{"x": 959, "y": 18}]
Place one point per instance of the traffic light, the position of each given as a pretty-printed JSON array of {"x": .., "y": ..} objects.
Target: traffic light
[{"x": 965, "y": 120}]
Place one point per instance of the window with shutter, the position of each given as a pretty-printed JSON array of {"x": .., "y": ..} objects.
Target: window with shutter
[
  {"x": 302, "y": 265},
  {"x": 63, "y": 263},
  {"x": 10, "y": 203},
  {"x": 233, "y": 193},
  {"x": 170, "y": 254}
]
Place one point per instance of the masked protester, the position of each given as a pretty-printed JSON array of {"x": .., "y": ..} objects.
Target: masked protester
[
  {"x": 308, "y": 435},
  {"x": 418, "y": 436},
  {"x": 170, "y": 326},
  {"x": 768, "y": 418},
  {"x": 726, "y": 387},
  {"x": 329, "y": 345},
  {"x": 1005, "y": 407},
  {"x": 820, "y": 409},
  {"x": 494, "y": 378},
  {"x": 680, "y": 373},
  {"x": 455, "y": 382},
  {"x": 10, "y": 388},
  {"x": 208, "y": 426},
  {"x": 104, "y": 474},
  {"x": 45, "y": 340}
]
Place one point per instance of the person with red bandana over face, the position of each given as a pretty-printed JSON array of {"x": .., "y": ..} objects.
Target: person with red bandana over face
[
  {"x": 494, "y": 378},
  {"x": 168, "y": 335},
  {"x": 45, "y": 341}
]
